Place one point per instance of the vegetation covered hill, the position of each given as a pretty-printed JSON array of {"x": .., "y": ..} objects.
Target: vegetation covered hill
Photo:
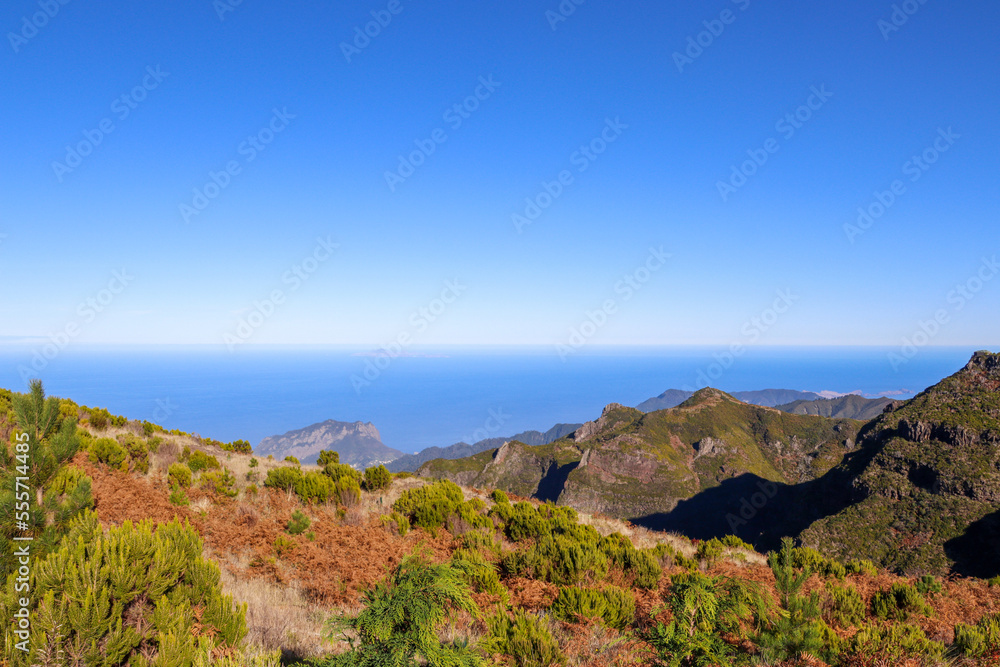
[
  {"x": 648, "y": 468},
  {"x": 850, "y": 406},
  {"x": 925, "y": 483},
  {"x": 769, "y": 398}
]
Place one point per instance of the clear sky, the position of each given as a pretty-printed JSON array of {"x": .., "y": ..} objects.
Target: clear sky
[{"x": 309, "y": 129}]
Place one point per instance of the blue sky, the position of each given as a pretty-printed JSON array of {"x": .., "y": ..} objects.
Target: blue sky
[{"x": 278, "y": 72}]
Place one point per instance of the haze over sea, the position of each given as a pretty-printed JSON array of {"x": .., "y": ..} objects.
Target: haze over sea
[{"x": 439, "y": 396}]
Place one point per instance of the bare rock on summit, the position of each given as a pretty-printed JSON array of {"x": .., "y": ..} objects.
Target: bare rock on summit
[{"x": 358, "y": 443}]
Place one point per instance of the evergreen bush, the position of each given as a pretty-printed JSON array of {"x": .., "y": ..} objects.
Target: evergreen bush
[
  {"x": 377, "y": 478},
  {"x": 523, "y": 638},
  {"x": 898, "y": 603},
  {"x": 298, "y": 523},
  {"x": 179, "y": 475},
  {"x": 136, "y": 594}
]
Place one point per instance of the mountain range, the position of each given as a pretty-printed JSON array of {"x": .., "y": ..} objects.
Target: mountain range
[
  {"x": 411, "y": 462},
  {"x": 360, "y": 444},
  {"x": 916, "y": 488}
]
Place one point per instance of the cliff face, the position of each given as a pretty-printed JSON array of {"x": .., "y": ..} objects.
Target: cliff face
[
  {"x": 359, "y": 444},
  {"x": 925, "y": 484}
]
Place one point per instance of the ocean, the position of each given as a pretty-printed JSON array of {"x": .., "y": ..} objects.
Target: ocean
[{"x": 436, "y": 396}]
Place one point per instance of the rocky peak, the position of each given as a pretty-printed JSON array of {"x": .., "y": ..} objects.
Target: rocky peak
[
  {"x": 985, "y": 361},
  {"x": 612, "y": 415}
]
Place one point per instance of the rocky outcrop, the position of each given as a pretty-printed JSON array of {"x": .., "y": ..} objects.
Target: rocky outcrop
[
  {"x": 929, "y": 468},
  {"x": 358, "y": 443}
]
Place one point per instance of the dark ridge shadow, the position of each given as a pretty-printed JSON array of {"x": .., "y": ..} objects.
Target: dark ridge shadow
[
  {"x": 552, "y": 484},
  {"x": 758, "y": 511},
  {"x": 976, "y": 551}
]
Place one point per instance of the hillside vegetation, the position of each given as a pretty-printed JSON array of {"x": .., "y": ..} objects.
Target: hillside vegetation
[
  {"x": 156, "y": 548},
  {"x": 684, "y": 469}
]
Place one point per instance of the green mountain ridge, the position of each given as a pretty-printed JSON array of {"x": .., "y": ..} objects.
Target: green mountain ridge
[
  {"x": 917, "y": 489},
  {"x": 639, "y": 466},
  {"x": 925, "y": 486},
  {"x": 850, "y": 406}
]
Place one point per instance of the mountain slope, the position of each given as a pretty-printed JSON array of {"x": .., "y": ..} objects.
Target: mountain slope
[
  {"x": 924, "y": 490},
  {"x": 642, "y": 466},
  {"x": 850, "y": 406},
  {"x": 411, "y": 462},
  {"x": 359, "y": 444},
  {"x": 770, "y": 398}
]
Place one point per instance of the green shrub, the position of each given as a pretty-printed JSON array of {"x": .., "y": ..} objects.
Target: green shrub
[
  {"x": 109, "y": 452},
  {"x": 798, "y": 629},
  {"x": 928, "y": 585},
  {"x": 199, "y": 461},
  {"x": 337, "y": 470},
  {"x": 148, "y": 428},
  {"x": 65, "y": 481},
  {"x": 664, "y": 553},
  {"x": 99, "y": 418},
  {"x": 642, "y": 565},
  {"x": 112, "y": 598},
  {"x": 844, "y": 606},
  {"x": 898, "y": 602},
  {"x": 710, "y": 551},
  {"x": 865, "y": 567},
  {"x": 298, "y": 524},
  {"x": 222, "y": 482},
  {"x": 734, "y": 542},
  {"x": 313, "y": 486},
  {"x": 575, "y": 604},
  {"x": 348, "y": 491},
  {"x": 326, "y": 458},
  {"x": 835, "y": 570},
  {"x": 479, "y": 573},
  {"x": 994, "y": 582},
  {"x": 179, "y": 476},
  {"x": 482, "y": 540},
  {"x": 292, "y": 459},
  {"x": 428, "y": 506},
  {"x": 614, "y": 606},
  {"x": 283, "y": 545},
  {"x": 253, "y": 462},
  {"x": 619, "y": 612},
  {"x": 138, "y": 451},
  {"x": 703, "y": 609},
  {"x": 401, "y": 618},
  {"x": 499, "y": 497},
  {"x": 561, "y": 559},
  {"x": 399, "y": 521},
  {"x": 377, "y": 478},
  {"x": 525, "y": 639},
  {"x": 521, "y": 520},
  {"x": 684, "y": 562},
  {"x": 284, "y": 478},
  {"x": 874, "y": 645},
  {"x": 979, "y": 640},
  {"x": 238, "y": 446},
  {"x": 179, "y": 497}
]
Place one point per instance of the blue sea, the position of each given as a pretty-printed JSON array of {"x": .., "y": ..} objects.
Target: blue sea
[{"x": 436, "y": 396}]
